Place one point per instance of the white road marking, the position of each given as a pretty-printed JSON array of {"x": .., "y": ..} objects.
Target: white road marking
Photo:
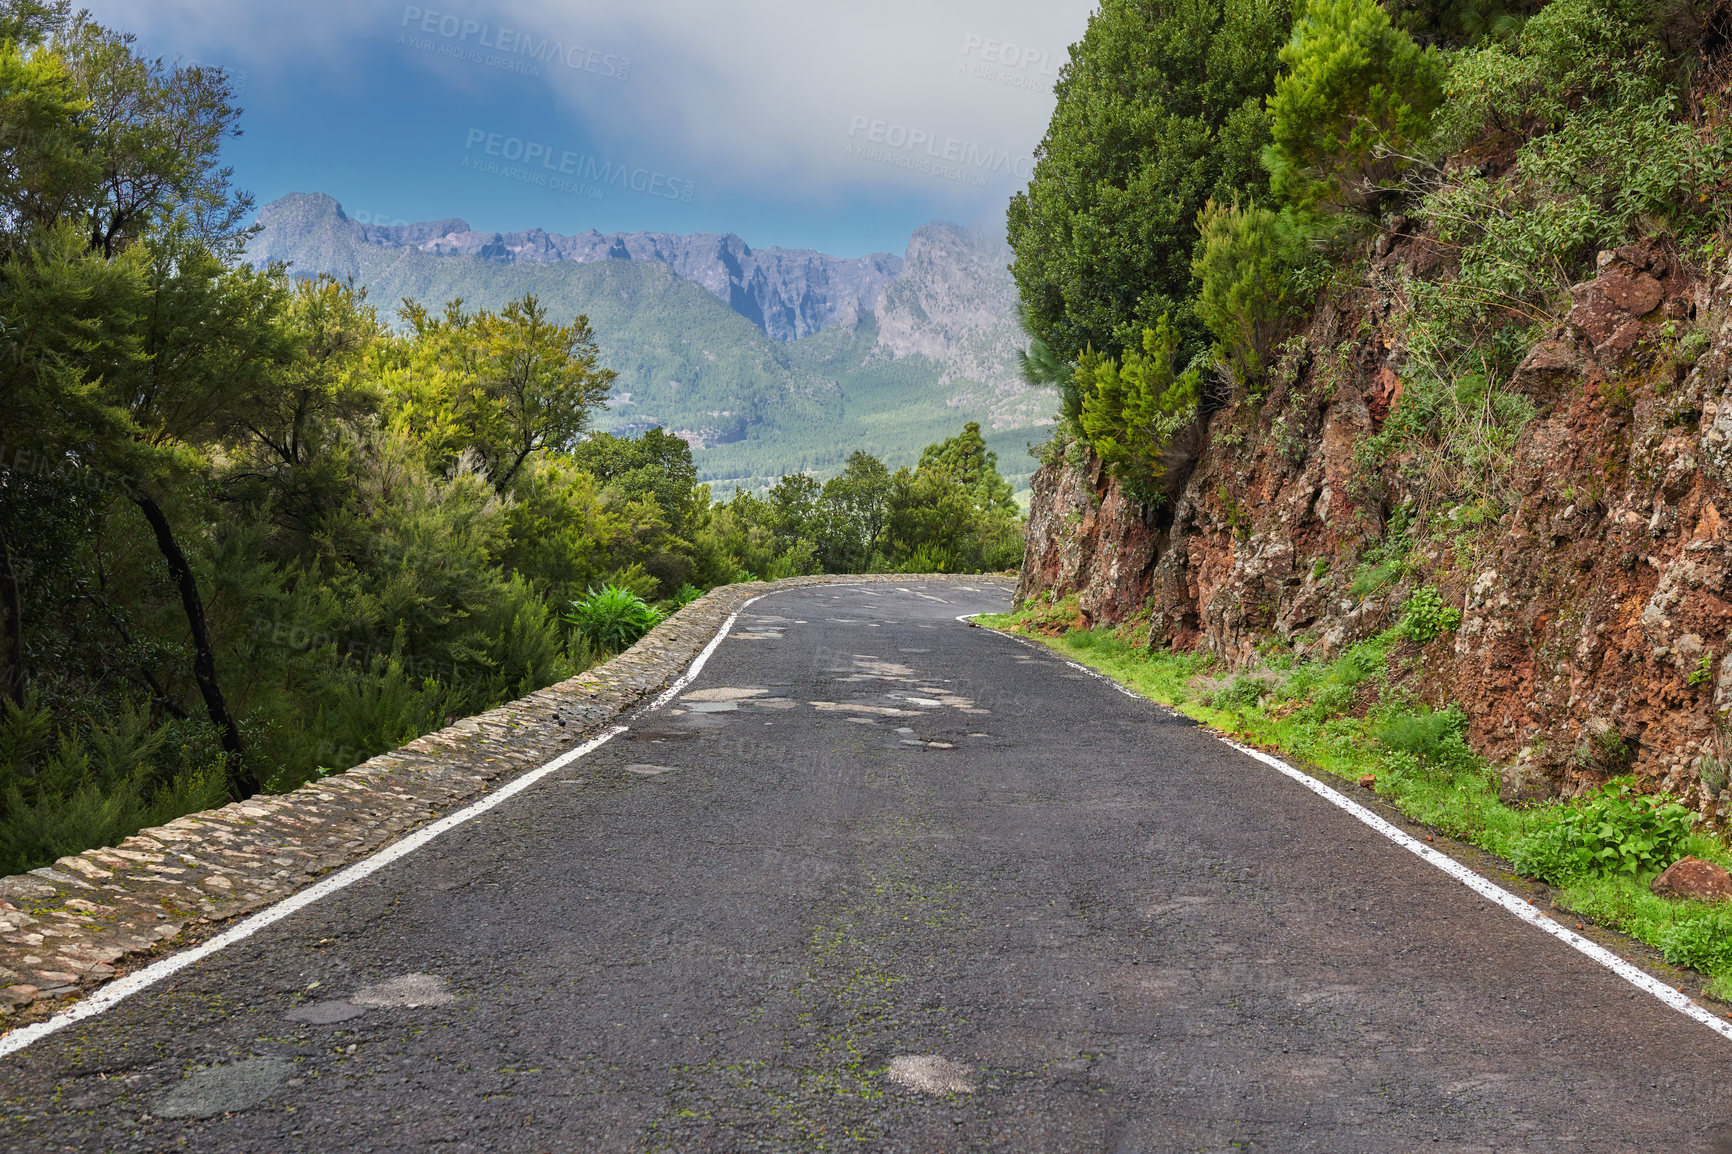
[
  {"x": 1483, "y": 886},
  {"x": 123, "y": 988},
  {"x": 120, "y": 989}
]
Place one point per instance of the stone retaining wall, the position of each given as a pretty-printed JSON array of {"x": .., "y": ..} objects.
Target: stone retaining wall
[{"x": 65, "y": 928}]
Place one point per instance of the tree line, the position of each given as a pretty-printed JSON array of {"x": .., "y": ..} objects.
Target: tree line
[{"x": 255, "y": 529}]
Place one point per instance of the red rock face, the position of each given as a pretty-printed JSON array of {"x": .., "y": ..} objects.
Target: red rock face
[
  {"x": 1086, "y": 537},
  {"x": 1596, "y": 595}
]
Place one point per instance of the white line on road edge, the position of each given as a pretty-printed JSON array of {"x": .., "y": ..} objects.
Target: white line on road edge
[
  {"x": 1490, "y": 890},
  {"x": 122, "y": 988},
  {"x": 697, "y": 665},
  {"x": 1483, "y": 886}
]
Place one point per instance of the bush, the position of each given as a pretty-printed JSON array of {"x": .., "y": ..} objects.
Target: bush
[
  {"x": 67, "y": 788},
  {"x": 613, "y": 618},
  {"x": 1425, "y": 617},
  {"x": 1436, "y": 739},
  {"x": 1569, "y": 53},
  {"x": 1615, "y": 831},
  {"x": 1353, "y": 107},
  {"x": 381, "y": 706},
  {"x": 1132, "y": 408},
  {"x": 1246, "y": 293},
  {"x": 1701, "y": 943},
  {"x": 1243, "y": 692}
]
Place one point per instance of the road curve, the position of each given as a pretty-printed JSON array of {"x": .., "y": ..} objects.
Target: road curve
[{"x": 880, "y": 881}]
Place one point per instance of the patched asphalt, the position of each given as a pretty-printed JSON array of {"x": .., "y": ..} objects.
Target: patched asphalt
[{"x": 886, "y": 882}]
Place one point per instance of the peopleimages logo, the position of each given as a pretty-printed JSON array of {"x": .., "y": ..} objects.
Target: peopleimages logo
[
  {"x": 544, "y": 165},
  {"x": 1007, "y": 63},
  {"x": 925, "y": 151},
  {"x": 1008, "y": 54},
  {"x": 513, "y": 49}
]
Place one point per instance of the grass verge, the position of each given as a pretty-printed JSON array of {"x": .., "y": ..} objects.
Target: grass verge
[{"x": 1356, "y": 715}]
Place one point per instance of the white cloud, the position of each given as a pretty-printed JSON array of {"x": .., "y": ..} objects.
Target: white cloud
[
  {"x": 779, "y": 92},
  {"x": 762, "y": 98}
]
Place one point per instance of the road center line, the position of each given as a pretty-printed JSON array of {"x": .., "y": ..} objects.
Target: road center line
[{"x": 1483, "y": 886}]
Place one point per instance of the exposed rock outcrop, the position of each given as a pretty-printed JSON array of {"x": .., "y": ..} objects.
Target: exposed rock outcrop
[{"x": 1595, "y": 586}]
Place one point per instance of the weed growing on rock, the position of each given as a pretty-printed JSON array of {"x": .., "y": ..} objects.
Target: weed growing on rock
[{"x": 1425, "y": 617}]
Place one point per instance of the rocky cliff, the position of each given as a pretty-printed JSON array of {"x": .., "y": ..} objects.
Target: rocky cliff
[
  {"x": 1589, "y": 563},
  {"x": 787, "y": 293}
]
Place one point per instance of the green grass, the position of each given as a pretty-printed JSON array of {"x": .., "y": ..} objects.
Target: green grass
[{"x": 1351, "y": 717}]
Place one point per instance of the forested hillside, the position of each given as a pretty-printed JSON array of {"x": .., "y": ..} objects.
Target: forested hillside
[
  {"x": 1394, "y": 347},
  {"x": 257, "y": 528}
]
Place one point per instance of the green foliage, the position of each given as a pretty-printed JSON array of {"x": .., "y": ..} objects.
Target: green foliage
[
  {"x": 1435, "y": 739},
  {"x": 1613, "y": 831},
  {"x": 1132, "y": 408},
  {"x": 1159, "y": 110},
  {"x": 966, "y": 460},
  {"x": 953, "y": 513},
  {"x": 1247, "y": 291},
  {"x": 612, "y": 618},
  {"x": 1243, "y": 692},
  {"x": 1424, "y": 617},
  {"x": 379, "y": 706},
  {"x": 64, "y": 788},
  {"x": 1352, "y": 109},
  {"x": 1701, "y": 943},
  {"x": 1570, "y": 54}
]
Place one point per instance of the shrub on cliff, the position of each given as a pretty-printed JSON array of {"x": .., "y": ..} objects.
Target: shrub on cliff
[
  {"x": 1133, "y": 407},
  {"x": 1353, "y": 108},
  {"x": 1159, "y": 109},
  {"x": 1247, "y": 293}
]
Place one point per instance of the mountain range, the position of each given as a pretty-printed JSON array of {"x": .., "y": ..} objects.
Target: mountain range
[{"x": 769, "y": 361}]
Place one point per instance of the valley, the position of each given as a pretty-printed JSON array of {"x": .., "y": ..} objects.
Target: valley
[{"x": 767, "y": 363}]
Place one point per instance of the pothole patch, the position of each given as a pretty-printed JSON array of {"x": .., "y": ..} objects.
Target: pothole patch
[
  {"x": 712, "y": 706},
  {"x": 724, "y": 693},
  {"x": 325, "y": 1013},
  {"x": 224, "y": 1089},
  {"x": 931, "y": 1074},
  {"x": 411, "y": 991}
]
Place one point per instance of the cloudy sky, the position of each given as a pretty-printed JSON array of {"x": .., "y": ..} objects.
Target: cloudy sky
[{"x": 805, "y": 123}]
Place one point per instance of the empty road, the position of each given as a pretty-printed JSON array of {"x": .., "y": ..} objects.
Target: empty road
[{"x": 880, "y": 881}]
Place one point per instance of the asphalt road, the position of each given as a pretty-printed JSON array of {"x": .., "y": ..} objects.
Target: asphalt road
[{"x": 971, "y": 899}]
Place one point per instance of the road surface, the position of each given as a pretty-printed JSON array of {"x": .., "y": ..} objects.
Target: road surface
[{"x": 885, "y": 882}]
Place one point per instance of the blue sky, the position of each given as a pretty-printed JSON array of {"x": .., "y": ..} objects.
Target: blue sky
[{"x": 837, "y": 126}]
